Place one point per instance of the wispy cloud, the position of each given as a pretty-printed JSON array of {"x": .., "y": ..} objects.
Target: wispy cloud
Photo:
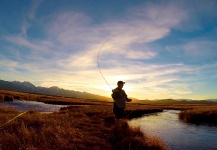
[
  {"x": 41, "y": 46},
  {"x": 33, "y": 9},
  {"x": 24, "y": 28},
  {"x": 81, "y": 39}
]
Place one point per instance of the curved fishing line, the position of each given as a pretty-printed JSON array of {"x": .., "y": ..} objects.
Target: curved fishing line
[
  {"x": 13, "y": 118},
  {"x": 99, "y": 55}
]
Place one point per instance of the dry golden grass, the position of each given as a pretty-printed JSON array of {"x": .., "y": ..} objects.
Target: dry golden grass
[
  {"x": 51, "y": 99},
  {"x": 203, "y": 115},
  {"x": 87, "y": 127},
  {"x": 132, "y": 138},
  {"x": 7, "y": 113},
  {"x": 54, "y": 131},
  {"x": 186, "y": 106},
  {"x": 6, "y": 97},
  {"x": 81, "y": 127}
]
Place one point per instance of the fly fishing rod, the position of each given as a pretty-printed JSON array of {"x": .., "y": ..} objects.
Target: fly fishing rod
[{"x": 99, "y": 55}]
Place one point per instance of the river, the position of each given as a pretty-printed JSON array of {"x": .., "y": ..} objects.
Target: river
[
  {"x": 31, "y": 105},
  {"x": 176, "y": 134}
]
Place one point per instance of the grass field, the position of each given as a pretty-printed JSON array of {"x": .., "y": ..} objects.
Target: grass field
[
  {"x": 49, "y": 99},
  {"x": 85, "y": 127},
  {"x": 90, "y": 127},
  {"x": 76, "y": 127}
]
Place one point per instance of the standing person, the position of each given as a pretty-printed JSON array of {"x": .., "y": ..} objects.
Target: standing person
[{"x": 120, "y": 98}]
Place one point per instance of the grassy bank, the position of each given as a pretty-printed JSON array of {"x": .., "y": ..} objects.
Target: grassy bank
[
  {"x": 203, "y": 115},
  {"x": 48, "y": 99},
  {"x": 91, "y": 127}
]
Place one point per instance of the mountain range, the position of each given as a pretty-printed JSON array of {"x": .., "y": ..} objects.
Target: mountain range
[{"x": 54, "y": 90}]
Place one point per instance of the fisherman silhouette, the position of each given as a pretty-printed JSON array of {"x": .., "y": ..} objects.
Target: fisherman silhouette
[{"x": 120, "y": 98}]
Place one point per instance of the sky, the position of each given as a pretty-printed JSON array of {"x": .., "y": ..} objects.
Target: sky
[{"x": 160, "y": 48}]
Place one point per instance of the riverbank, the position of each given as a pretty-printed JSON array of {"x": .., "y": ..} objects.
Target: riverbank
[
  {"x": 91, "y": 127},
  {"x": 176, "y": 134},
  {"x": 203, "y": 115},
  {"x": 48, "y": 99}
]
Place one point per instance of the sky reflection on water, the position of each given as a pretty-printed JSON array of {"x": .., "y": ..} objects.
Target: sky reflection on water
[
  {"x": 176, "y": 134},
  {"x": 30, "y": 105}
]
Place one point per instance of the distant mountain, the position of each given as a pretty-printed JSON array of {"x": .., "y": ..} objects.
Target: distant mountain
[
  {"x": 212, "y": 100},
  {"x": 54, "y": 90}
]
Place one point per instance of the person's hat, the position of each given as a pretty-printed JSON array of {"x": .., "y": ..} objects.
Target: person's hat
[{"x": 121, "y": 82}]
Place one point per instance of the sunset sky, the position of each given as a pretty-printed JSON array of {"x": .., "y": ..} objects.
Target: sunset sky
[{"x": 160, "y": 48}]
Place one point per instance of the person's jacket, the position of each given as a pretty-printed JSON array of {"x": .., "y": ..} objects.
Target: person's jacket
[{"x": 120, "y": 97}]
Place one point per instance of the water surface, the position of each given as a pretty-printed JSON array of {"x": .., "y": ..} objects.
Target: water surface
[
  {"x": 176, "y": 134},
  {"x": 30, "y": 105}
]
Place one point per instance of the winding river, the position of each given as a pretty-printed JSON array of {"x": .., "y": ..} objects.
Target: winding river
[{"x": 176, "y": 134}]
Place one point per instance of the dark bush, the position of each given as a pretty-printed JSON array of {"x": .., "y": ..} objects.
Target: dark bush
[
  {"x": 2, "y": 98},
  {"x": 17, "y": 97},
  {"x": 8, "y": 98}
]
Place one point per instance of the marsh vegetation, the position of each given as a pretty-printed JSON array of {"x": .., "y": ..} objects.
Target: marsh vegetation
[
  {"x": 90, "y": 127},
  {"x": 203, "y": 115}
]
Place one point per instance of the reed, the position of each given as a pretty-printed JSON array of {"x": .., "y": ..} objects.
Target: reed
[
  {"x": 126, "y": 137},
  {"x": 87, "y": 127},
  {"x": 203, "y": 115}
]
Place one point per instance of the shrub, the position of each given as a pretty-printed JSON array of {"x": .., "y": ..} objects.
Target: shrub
[
  {"x": 8, "y": 98},
  {"x": 2, "y": 97},
  {"x": 17, "y": 97}
]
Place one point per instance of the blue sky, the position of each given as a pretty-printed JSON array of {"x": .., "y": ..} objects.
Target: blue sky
[{"x": 161, "y": 48}]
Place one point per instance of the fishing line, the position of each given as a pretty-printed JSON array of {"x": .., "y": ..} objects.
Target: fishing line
[
  {"x": 99, "y": 55},
  {"x": 13, "y": 118},
  {"x": 99, "y": 64}
]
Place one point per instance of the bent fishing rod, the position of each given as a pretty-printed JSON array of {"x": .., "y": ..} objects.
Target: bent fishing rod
[{"x": 98, "y": 55}]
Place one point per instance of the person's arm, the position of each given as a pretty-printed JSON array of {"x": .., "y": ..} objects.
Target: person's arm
[
  {"x": 114, "y": 94},
  {"x": 127, "y": 99}
]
